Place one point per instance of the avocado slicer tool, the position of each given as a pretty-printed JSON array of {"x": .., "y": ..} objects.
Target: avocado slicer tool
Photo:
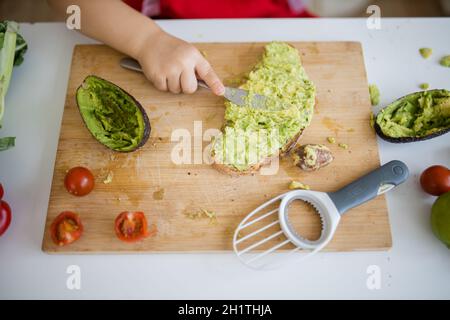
[{"x": 263, "y": 248}]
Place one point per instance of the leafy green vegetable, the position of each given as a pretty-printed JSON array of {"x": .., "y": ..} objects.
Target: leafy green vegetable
[
  {"x": 21, "y": 44},
  {"x": 6, "y": 143},
  {"x": 12, "y": 51}
]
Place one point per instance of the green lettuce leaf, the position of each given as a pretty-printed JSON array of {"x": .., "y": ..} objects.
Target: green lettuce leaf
[
  {"x": 12, "y": 51},
  {"x": 7, "y": 142}
]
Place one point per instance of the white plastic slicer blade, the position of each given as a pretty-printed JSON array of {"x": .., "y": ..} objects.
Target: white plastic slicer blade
[{"x": 329, "y": 206}]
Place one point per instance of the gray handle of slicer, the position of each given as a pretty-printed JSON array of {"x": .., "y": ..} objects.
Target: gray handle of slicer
[{"x": 369, "y": 186}]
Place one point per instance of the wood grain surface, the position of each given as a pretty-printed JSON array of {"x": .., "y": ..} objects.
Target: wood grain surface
[{"x": 148, "y": 180}]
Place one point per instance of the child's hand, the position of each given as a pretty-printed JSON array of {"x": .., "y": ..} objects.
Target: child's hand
[{"x": 173, "y": 64}]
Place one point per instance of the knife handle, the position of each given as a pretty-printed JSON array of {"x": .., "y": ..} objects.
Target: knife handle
[{"x": 132, "y": 64}]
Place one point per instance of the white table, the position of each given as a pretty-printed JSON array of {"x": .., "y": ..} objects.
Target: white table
[{"x": 418, "y": 265}]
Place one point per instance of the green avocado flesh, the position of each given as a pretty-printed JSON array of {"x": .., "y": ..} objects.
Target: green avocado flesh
[
  {"x": 113, "y": 117},
  {"x": 416, "y": 115},
  {"x": 251, "y": 135}
]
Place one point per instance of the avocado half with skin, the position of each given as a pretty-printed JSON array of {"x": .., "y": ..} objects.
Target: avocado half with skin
[
  {"x": 415, "y": 117},
  {"x": 113, "y": 116}
]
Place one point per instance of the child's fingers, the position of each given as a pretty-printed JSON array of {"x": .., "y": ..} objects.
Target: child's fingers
[
  {"x": 160, "y": 83},
  {"x": 173, "y": 82},
  {"x": 206, "y": 72},
  {"x": 188, "y": 81}
]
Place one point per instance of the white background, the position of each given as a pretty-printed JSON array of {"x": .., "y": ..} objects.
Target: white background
[{"x": 418, "y": 265}]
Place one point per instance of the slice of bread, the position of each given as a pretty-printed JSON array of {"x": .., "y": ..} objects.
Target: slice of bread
[{"x": 252, "y": 137}]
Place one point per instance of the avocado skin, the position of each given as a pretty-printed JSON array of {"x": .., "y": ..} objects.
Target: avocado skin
[
  {"x": 408, "y": 139},
  {"x": 147, "y": 126}
]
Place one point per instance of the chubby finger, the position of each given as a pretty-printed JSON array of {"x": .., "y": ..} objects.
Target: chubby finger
[
  {"x": 160, "y": 83},
  {"x": 206, "y": 72},
  {"x": 173, "y": 82},
  {"x": 188, "y": 81}
]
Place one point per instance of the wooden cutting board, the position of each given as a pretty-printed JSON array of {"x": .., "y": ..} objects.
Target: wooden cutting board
[{"x": 147, "y": 180}]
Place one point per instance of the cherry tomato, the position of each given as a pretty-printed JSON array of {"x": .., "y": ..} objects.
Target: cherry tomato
[
  {"x": 5, "y": 217},
  {"x": 66, "y": 228},
  {"x": 1, "y": 191},
  {"x": 79, "y": 181},
  {"x": 132, "y": 226},
  {"x": 435, "y": 180}
]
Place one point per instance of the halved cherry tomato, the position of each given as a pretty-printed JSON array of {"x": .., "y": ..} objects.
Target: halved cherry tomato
[
  {"x": 435, "y": 180},
  {"x": 2, "y": 192},
  {"x": 132, "y": 226},
  {"x": 66, "y": 228},
  {"x": 5, "y": 217},
  {"x": 79, "y": 181}
]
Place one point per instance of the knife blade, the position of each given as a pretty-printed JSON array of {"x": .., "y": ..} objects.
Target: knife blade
[{"x": 234, "y": 95}]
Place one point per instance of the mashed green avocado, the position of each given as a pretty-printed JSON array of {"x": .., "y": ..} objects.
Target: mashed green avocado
[
  {"x": 374, "y": 93},
  {"x": 416, "y": 115},
  {"x": 113, "y": 117},
  {"x": 445, "y": 61},
  {"x": 424, "y": 86},
  {"x": 251, "y": 135},
  {"x": 426, "y": 52}
]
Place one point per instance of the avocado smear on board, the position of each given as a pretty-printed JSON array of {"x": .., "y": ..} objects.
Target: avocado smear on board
[
  {"x": 112, "y": 116},
  {"x": 416, "y": 115},
  {"x": 251, "y": 135}
]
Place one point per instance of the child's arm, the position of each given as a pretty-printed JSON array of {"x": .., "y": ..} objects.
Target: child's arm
[{"x": 170, "y": 63}]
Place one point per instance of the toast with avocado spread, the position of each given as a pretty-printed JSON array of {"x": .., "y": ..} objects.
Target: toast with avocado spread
[{"x": 251, "y": 137}]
